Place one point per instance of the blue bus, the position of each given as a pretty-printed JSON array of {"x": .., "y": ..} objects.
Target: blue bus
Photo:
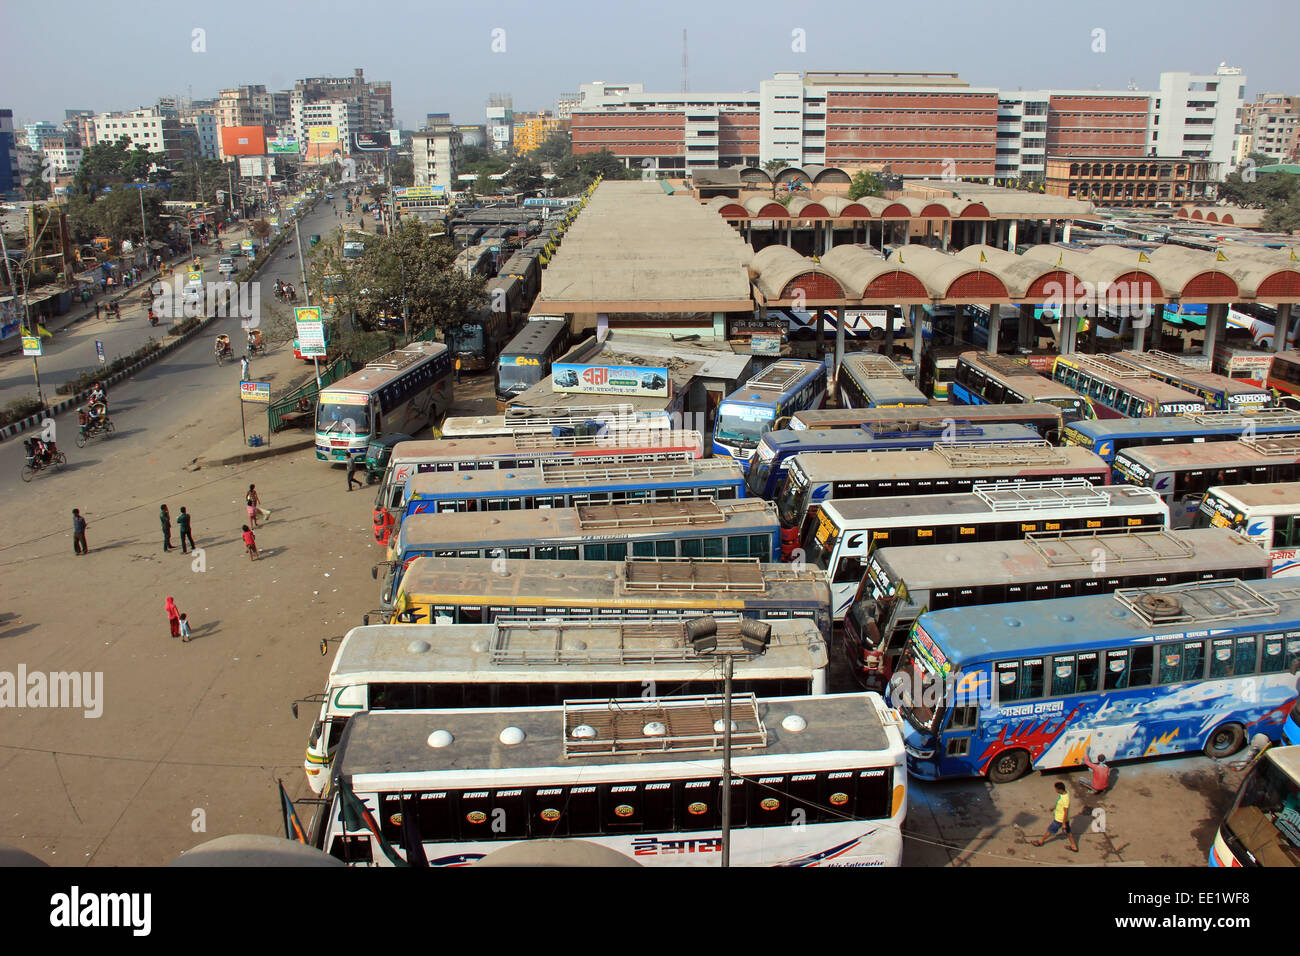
[
  {"x": 776, "y": 393},
  {"x": 767, "y": 472},
  {"x": 1291, "y": 729},
  {"x": 998, "y": 689},
  {"x": 567, "y": 486},
  {"x": 868, "y": 380},
  {"x": 1108, "y": 437}
]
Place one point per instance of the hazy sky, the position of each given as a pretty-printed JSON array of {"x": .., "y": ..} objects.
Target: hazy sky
[{"x": 440, "y": 57}]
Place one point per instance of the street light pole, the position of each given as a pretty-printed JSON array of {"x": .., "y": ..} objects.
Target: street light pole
[
  {"x": 302, "y": 272},
  {"x": 27, "y": 309},
  {"x": 728, "y": 668}
]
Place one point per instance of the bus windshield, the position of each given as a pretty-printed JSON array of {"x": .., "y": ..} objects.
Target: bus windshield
[
  {"x": 1265, "y": 818},
  {"x": 790, "y": 502},
  {"x": 743, "y": 425},
  {"x": 917, "y": 691},
  {"x": 1075, "y": 409},
  {"x": 466, "y": 337},
  {"x": 516, "y": 377},
  {"x": 333, "y": 417}
]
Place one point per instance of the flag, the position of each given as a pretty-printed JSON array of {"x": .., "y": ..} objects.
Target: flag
[
  {"x": 1219, "y": 256},
  {"x": 292, "y": 825},
  {"x": 1294, "y": 258},
  {"x": 44, "y": 331},
  {"x": 1060, "y": 258},
  {"x": 983, "y": 258},
  {"x": 357, "y": 817},
  {"x": 1142, "y": 257}
]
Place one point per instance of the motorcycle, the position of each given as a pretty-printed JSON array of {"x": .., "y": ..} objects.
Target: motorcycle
[
  {"x": 100, "y": 426},
  {"x": 34, "y": 466}
]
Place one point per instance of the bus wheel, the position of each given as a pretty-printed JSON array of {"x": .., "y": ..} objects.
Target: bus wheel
[
  {"x": 1225, "y": 741},
  {"x": 1008, "y": 765}
]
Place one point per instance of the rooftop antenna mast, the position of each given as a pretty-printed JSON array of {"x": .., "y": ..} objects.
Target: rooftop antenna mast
[{"x": 686, "y": 86}]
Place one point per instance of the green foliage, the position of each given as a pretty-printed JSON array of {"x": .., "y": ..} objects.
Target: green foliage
[
  {"x": 1284, "y": 217},
  {"x": 481, "y": 161},
  {"x": 115, "y": 215},
  {"x": 775, "y": 165},
  {"x": 865, "y": 183},
  {"x": 1268, "y": 191},
  {"x": 554, "y": 148},
  {"x": 576, "y": 172},
  {"x": 524, "y": 176},
  {"x": 17, "y": 409},
  {"x": 87, "y": 379},
  {"x": 107, "y": 164},
  {"x": 199, "y": 181},
  {"x": 261, "y": 229},
  {"x": 484, "y": 185},
  {"x": 403, "y": 171}
]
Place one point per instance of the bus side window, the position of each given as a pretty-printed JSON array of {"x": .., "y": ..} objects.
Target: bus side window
[
  {"x": 1063, "y": 675},
  {"x": 849, "y": 570},
  {"x": 569, "y": 553},
  {"x": 1007, "y": 681},
  {"x": 1031, "y": 678},
  {"x": 1117, "y": 670},
  {"x": 1286, "y": 531},
  {"x": 1245, "y": 656},
  {"x": 1221, "y": 658},
  {"x": 963, "y": 718},
  {"x": 1292, "y": 663},
  {"x": 1273, "y": 659},
  {"x": 1142, "y": 666},
  {"x": 1089, "y": 672}
]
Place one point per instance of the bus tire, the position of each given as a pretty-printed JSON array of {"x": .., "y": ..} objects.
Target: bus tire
[
  {"x": 1009, "y": 765},
  {"x": 876, "y": 333},
  {"x": 1224, "y": 741}
]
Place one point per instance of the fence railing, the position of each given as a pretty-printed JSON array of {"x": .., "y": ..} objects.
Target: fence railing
[{"x": 275, "y": 412}]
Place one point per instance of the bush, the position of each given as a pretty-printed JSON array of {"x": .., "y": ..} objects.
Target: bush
[
  {"x": 17, "y": 409},
  {"x": 87, "y": 379},
  {"x": 187, "y": 325}
]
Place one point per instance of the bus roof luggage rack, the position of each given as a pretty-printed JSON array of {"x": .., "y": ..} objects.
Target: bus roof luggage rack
[
  {"x": 1056, "y": 493},
  {"x": 640, "y": 640},
  {"x": 397, "y": 359},
  {"x": 1106, "y": 365},
  {"x": 1287, "y": 444},
  {"x": 694, "y": 574},
  {"x": 664, "y": 725},
  {"x": 562, "y": 415},
  {"x": 975, "y": 454},
  {"x": 1198, "y": 602},
  {"x": 1116, "y": 546},
  {"x": 1165, "y": 361},
  {"x": 1007, "y": 364},
  {"x": 1265, "y": 416},
  {"x": 875, "y": 366},
  {"x": 703, "y": 511},
  {"x": 554, "y": 474},
  {"x": 778, "y": 376}
]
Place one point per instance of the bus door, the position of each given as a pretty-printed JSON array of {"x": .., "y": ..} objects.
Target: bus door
[{"x": 957, "y": 739}]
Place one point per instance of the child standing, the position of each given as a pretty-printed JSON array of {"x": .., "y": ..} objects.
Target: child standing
[
  {"x": 185, "y": 628},
  {"x": 250, "y": 543},
  {"x": 254, "y": 506}
]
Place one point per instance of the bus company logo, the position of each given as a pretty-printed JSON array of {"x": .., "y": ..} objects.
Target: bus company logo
[
  {"x": 839, "y": 799},
  {"x": 770, "y": 803},
  {"x": 652, "y": 846},
  {"x": 623, "y": 810},
  {"x": 525, "y": 360},
  {"x": 698, "y": 809},
  {"x": 550, "y": 815},
  {"x": 476, "y": 816}
]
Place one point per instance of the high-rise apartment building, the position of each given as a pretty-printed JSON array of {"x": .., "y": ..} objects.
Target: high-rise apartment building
[
  {"x": 146, "y": 128},
  {"x": 433, "y": 155},
  {"x": 500, "y": 114},
  {"x": 1198, "y": 116},
  {"x": 1269, "y": 126}
]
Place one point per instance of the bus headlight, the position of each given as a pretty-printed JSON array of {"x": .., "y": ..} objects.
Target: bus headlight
[{"x": 917, "y": 754}]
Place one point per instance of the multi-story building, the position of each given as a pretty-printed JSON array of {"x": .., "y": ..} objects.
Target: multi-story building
[
  {"x": 433, "y": 155},
  {"x": 86, "y": 131},
  {"x": 241, "y": 106},
  {"x": 8, "y": 161},
  {"x": 500, "y": 121},
  {"x": 473, "y": 136},
  {"x": 72, "y": 125},
  {"x": 203, "y": 121},
  {"x": 1022, "y": 136},
  {"x": 42, "y": 134},
  {"x": 1269, "y": 126},
  {"x": 370, "y": 104},
  {"x": 1097, "y": 122},
  {"x": 532, "y": 129},
  {"x": 1197, "y": 116},
  {"x": 1133, "y": 180},
  {"x": 565, "y": 104},
  {"x": 343, "y": 116},
  {"x": 145, "y": 128},
  {"x": 64, "y": 160}
]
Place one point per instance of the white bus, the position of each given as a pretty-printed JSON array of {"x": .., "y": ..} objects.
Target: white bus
[
  {"x": 816, "y": 781},
  {"x": 405, "y": 390},
  {"x": 542, "y": 419},
  {"x": 901, "y": 584},
  {"x": 527, "y": 663},
  {"x": 849, "y": 529},
  {"x": 1268, "y": 514}
]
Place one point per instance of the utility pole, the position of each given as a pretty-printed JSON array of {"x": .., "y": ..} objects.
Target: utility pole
[
  {"x": 302, "y": 272},
  {"x": 27, "y": 309}
]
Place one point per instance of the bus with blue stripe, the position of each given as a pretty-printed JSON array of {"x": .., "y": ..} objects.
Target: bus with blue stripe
[
  {"x": 1044, "y": 419},
  {"x": 868, "y": 380},
  {"x": 1219, "y": 392},
  {"x": 763, "y": 403},
  {"x": 1266, "y": 513},
  {"x": 1110, "y": 436},
  {"x": 767, "y": 472},
  {"x": 1291, "y": 729},
  {"x": 999, "y": 689},
  {"x": 983, "y": 379},
  {"x": 1262, "y": 828}
]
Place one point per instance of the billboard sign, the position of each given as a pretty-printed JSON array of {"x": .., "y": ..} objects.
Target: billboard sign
[
  {"x": 282, "y": 146},
  {"x": 311, "y": 332},
  {"x": 765, "y": 343},
  {"x": 420, "y": 192},
  {"x": 258, "y": 393},
  {"x": 322, "y": 134},
  {"x": 372, "y": 142},
  {"x": 609, "y": 380},
  {"x": 395, "y": 137},
  {"x": 251, "y": 166},
  {"x": 243, "y": 141},
  {"x": 32, "y": 345}
]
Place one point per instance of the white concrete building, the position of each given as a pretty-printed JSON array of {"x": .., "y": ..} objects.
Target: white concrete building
[
  {"x": 343, "y": 115},
  {"x": 1022, "y": 134},
  {"x": 1198, "y": 115},
  {"x": 433, "y": 155},
  {"x": 145, "y": 128},
  {"x": 65, "y": 160},
  {"x": 205, "y": 129}
]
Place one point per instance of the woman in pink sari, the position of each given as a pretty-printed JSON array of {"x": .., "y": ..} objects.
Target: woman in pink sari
[{"x": 173, "y": 617}]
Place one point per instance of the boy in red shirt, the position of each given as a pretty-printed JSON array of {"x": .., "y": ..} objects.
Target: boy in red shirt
[{"x": 250, "y": 543}]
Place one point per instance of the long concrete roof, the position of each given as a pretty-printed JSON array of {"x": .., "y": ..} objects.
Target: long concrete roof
[{"x": 634, "y": 249}]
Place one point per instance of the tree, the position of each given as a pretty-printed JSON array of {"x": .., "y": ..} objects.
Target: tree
[
  {"x": 524, "y": 176},
  {"x": 1284, "y": 217},
  {"x": 261, "y": 229},
  {"x": 774, "y": 166},
  {"x": 403, "y": 171},
  {"x": 865, "y": 183},
  {"x": 484, "y": 185},
  {"x": 554, "y": 148},
  {"x": 107, "y": 164},
  {"x": 115, "y": 215}
]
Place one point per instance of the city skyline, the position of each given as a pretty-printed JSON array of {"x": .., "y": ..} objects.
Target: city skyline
[{"x": 1010, "y": 45}]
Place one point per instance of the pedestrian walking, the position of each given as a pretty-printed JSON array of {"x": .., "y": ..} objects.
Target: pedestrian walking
[
  {"x": 352, "y": 470},
  {"x": 185, "y": 628},
  {"x": 173, "y": 617},
  {"x": 255, "y": 505},
  {"x": 458, "y": 370},
  {"x": 243, "y": 369},
  {"x": 1060, "y": 819},
  {"x": 78, "y": 533},
  {"x": 183, "y": 525},
  {"x": 250, "y": 543},
  {"x": 165, "y": 519},
  {"x": 96, "y": 310}
]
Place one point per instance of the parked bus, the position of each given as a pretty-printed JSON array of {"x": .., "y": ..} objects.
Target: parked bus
[
  {"x": 849, "y": 530},
  {"x": 520, "y": 452},
  {"x": 479, "y": 339},
  {"x": 1042, "y": 418},
  {"x": 1268, "y": 514},
  {"x": 638, "y": 776},
  {"x": 938, "y": 369},
  {"x": 997, "y": 689},
  {"x": 768, "y": 469},
  {"x": 1260, "y": 321},
  {"x": 983, "y": 379},
  {"x": 1182, "y": 474},
  {"x": 1108, "y": 437},
  {"x": 1262, "y": 828},
  {"x": 571, "y": 485},
  {"x": 903, "y": 583},
  {"x": 1284, "y": 375},
  {"x": 813, "y": 480},
  {"x": 1244, "y": 363},
  {"x": 526, "y": 664},
  {"x": 402, "y": 391},
  {"x": 526, "y": 359},
  {"x": 568, "y": 420},
  {"x": 1219, "y": 392},
  {"x": 762, "y": 403},
  {"x": 868, "y": 380},
  {"x": 1122, "y": 389},
  {"x": 608, "y": 532},
  {"x": 475, "y": 591}
]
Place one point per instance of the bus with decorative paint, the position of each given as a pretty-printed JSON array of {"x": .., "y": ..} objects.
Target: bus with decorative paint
[
  {"x": 1219, "y": 392},
  {"x": 1042, "y": 418},
  {"x": 1107, "y": 437},
  {"x": 1268, "y": 514},
  {"x": 983, "y": 379},
  {"x": 868, "y": 380},
  {"x": 1118, "y": 389},
  {"x": 763, "y": 403},
  {"x": 999, "y": 689}
]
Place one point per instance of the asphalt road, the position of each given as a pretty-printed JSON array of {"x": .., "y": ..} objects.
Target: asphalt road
[{"x": 170, "y": 391}]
